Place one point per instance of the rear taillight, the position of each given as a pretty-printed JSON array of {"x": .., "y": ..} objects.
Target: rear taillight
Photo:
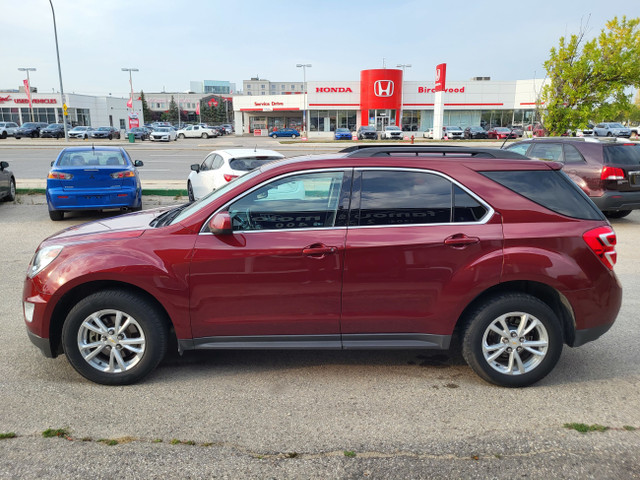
[
  {"x": 602, "y": 241},
  {"x": 228, "y": 177},
  {"x": 126, "y": 173},
  {"x": 60, "y": 176},
  {"x": 612, "y": 173}
]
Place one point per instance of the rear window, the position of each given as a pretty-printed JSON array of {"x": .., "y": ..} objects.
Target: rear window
[
  {"x": 249, "y": 163},
  {"x": 627, "y": 154},
  {"x": 91, "y": 158},
  {"x": 550, "y": 188}
]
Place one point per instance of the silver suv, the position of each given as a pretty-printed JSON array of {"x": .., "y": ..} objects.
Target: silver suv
[
  {"x": 611, "y": 129},
  {"x": 8, "y": 129}
]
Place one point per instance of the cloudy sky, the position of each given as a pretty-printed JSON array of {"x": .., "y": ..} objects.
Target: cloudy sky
[{"x": 173, "y": 42}]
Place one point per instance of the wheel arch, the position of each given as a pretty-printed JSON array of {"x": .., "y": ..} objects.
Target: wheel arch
[
  {"x": 73, "y": 296},
  {"x": 545, "y": 293}
]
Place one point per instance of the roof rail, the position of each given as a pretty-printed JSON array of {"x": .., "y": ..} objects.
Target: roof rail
[{"x": 365, "y": 151}]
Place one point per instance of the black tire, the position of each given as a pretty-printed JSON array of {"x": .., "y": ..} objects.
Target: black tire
[
  {"x": 515, "y": 311},
  {"x": 56, "y": 215},
  {"x": 12, "y": 191},
  {"x": 617, "y": 214},
  {"x": 293, "y": 136},
  {"x": 181, "y": 136},
  {"x": 205, "y": 135},
  {"x": 192, "y": 197},
  {"x": 608, "y": 134},
  {"x": 4, "y": 135},
  {"x": 274, "y": 136},
  {"x": 147, "y": 331}
]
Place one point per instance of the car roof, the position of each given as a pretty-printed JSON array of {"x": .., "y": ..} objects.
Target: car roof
[{"x": 245, "y": 152}]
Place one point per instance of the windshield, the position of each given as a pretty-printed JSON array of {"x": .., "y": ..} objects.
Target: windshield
[
  {"x": 501, "y": 129},
  {"x": 211, "y": 197},
  {"x": 342, "y": 130},
  {"x": 28, "y": 125},
  {"x": 615, "y": 125},
  {"x": 104, "y": 128},
  {"x": 368, "y": 129},
  {"x": 393, "y": 128},
  {"x": 162, "y": 129}
]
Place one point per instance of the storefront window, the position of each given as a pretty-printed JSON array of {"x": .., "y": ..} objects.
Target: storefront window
[
  {"x": 257, "y": 123},
  {"x": 411, "y": 120},
  {"x": 9, "y": 115},
  {"x": 83, "y": 116}
]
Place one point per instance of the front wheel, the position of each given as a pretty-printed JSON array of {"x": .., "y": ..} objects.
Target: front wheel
[
  {"x": 192, "y": 197},
  {"x": 205, "y": 135},
  {"x": 293, "y": 136},
  {"x": 115, "y": 337},
  {"x": 12, "y": 191},
  {"x": 512, "y": 340},
  {"x": 274, "y": 136},
  {"x": 181, "y": 136},
  {"x": 110, "y": 137}
]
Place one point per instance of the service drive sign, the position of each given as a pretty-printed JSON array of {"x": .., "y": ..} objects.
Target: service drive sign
[
  {"x": 441, "y": 74},
  {"x": 383, "y": 88}
]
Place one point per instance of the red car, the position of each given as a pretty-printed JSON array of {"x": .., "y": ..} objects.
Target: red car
[
  {"x": 376, "y": 248},
  {"x": 501, "y": 132}
]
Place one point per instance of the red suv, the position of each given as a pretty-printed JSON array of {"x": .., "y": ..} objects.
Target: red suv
[
  {"x": 376, "y": 248},
  {"x": 608, "y": 171}
]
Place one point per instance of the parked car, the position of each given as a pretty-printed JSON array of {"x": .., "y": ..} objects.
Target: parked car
[
  {"x": 228, "y": 128},
  {"x": 7, "y": 183},
  {"x": 475, "y": 133},
  {"x": 536, "y": 129},
  {"x": 93, "y": 178},
  {"x": 428, "y": 133},
  {"x": 608, "y": 172},
  {"x": 452, "y": 132},
  {"x": 285, "y": 132},
  {"x": 220, "y": 129},
  {"x": 391, "y": 132},
  {"x": 368, "y": 132},
  {"x": 80, "y": 132},
  {"x": 357, "y": 251},
  {"x": 501, "y": 132},
  {"x": 8, "y": 129},
  {"x": 517, "y": 129},
  {"x": 163, "y": 134},
  {"x": 222, "y": 166},
  {"x": 343, "y": 134},
  {"x": 53, "y": 130},
  {"x": 30, "y": 129},
  {"x": 139, "y": 133},
  {"x": 197, "y": 131},
  {"x": 106, "y": 132},
  {"x": 611, "y": 129}
]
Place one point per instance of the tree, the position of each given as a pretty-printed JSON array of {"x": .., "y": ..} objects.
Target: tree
[
  {"x": 172, "y": 114},
  {"x": 588, "y": 79},
  {"x": 146, "y": 112}
]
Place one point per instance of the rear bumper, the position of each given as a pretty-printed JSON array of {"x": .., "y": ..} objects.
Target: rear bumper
[
  {"x": 126, "y": 197},
  {"x": 615, "y": 201}
]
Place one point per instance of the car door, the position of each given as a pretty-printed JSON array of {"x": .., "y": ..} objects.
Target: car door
[
  {"x": 201, "y": 182},
  {"x": 418, "y": 247},
  {"x": 280, "y": 272}
]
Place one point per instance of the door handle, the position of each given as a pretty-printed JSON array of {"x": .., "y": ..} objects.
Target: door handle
[
  {"x": 460, "y": 240},
  {"x": 318, "y": 250}
]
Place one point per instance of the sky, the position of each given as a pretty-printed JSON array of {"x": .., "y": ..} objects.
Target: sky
[{"x": 173, "y": 42}]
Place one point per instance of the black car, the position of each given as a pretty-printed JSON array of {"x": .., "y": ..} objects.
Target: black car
[
  {"x": 140, "y": 133},
  {"x": 7, "y": 183},
  {"x": 367, "y": 132},
  {"x": 55, "y": 130},
  {"x": 30, "y": 129},
  {"x": 475, "y": 132},
  {"x": 607, "y": 171},
  {"x": 106, "y": 132}
]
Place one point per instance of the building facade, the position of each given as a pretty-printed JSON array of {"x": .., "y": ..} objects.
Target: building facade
[
  {"x": 381, "y": 98},
  {"x": 259, "y": 86},
  {"x": 81, "y": 109}
]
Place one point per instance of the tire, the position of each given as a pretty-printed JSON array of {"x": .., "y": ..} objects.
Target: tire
[
  {"x": 293, "y": 136},
  {"x": 181, "y": 136},
  {"x": 617, "y": 214},
  {"x": 274, "y": 136},
  {"x": 94, "y": 321},
  {"x": 56, "y": 215},
  {"x": 4, "y": 135},
  {"x": 205, "y": 135},
  {"x": 110, "y": 137},
  {"x": 513, "y": 312},
  {"x": 12, "y": 191},
  {"x": 608, "y": 134},
  {"x": 192, "y": 197}
]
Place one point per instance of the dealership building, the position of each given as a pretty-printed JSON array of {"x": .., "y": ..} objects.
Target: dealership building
[
  {"x": 381, "y": 97},
  {"x": 94, "y": 111}
]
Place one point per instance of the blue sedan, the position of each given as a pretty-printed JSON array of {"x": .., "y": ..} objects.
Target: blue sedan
[
  {"x": 343, "y": 134},
  {"x": 285, "y": 132},
  {"x": 93, "y": 178}
]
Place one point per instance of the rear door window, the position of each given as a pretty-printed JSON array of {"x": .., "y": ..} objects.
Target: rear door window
[{"x": 572, "y": 155}]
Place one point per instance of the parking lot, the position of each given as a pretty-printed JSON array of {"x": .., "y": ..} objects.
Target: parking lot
[{"x": 305, "y": 414}]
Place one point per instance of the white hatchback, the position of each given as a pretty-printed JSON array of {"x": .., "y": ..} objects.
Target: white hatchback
[{"x": 221, "y": 166}]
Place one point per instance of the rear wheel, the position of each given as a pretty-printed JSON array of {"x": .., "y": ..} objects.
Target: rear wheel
[
  {"x": 618, "y": 214},
  {"x": 56, "y": 215},
  {"x": 608, "y": 134},
  {"x": 181, "y": 136},
  {"x": 205, "y": 135},
  {"x": 512, "y": 340},
  {"x": 274, "y": 136},
  {"x": 110, "y": 137},
  {"x": 115, "y": 337},
  {"x": 192, "y": 197},
  {"x": 12, "y": 192}
]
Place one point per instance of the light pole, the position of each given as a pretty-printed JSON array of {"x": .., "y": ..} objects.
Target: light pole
[
  {"x": 130, "y": 82},
  {"x": 403, "y": 66},
  {"x": 304, "y": 85},
  {"x": 64, "y": 105},
  {"x": 28, "y": 69}
]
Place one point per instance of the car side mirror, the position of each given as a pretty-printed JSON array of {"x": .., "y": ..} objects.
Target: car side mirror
[
  {"x": 138, "y": 163},
  {"x": 195, "y": 167},
  {"x": 52, "y": 163},
  {"x": 220, "y": 224},
  {"x": 4, "y": 165}
]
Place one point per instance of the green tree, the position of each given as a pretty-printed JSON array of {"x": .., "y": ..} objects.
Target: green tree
[
  {"x": 172, "y": 114},
  {"x": 588, "y": 79},
  {"x": 146, "y": 112}
]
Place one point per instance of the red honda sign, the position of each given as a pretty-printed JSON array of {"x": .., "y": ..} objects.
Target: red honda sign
[
  {"x": 380, "y": 89},
  {"x": 441, "y": 74}
]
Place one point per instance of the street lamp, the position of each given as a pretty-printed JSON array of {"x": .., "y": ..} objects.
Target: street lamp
[
  {"x": 64, "y": 105},
  {"x": 402, "y": 66},
  {"x": 131, "y": 85},
  {"x": 29, "y": 69},
  {"x": 304, "y": 85}
]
